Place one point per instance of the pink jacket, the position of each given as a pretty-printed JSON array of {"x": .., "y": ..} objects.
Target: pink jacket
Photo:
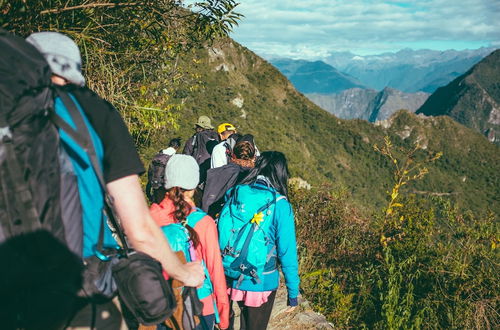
[{"x": 208, "y": 250}]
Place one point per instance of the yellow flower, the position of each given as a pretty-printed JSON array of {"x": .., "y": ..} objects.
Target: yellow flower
[
  {"x": 383, "y": 240},
  {"x": 257, "y": 218}
]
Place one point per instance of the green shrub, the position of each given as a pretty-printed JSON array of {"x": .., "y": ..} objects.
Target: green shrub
[{"x": 420, "y": 263}]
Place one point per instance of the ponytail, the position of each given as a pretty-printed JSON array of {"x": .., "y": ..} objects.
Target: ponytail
[{"x": 182, "y": 210}]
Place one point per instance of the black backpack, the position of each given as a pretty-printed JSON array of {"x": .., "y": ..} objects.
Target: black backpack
[
  {"x": 29, "y": 142},
  {"x": 39, "y": 187},
  {"x": 200, "y": 140},
  {"x": 156, "y": 171},
  {"x": 32, "y": 231},
  {"x": 219, "y": 181}
]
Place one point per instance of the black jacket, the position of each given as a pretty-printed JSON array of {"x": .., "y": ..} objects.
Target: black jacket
[
  {"x": 220, "y": 180},
  {"x": 196, "y": 145}
]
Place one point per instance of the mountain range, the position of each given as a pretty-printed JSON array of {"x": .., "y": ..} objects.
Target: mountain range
[
  {"x": 404, "y": 79},
  {"x": 408, "y": 70},
  {"x": 472, "y": 99},
  {"x": 368, "y": 104}
]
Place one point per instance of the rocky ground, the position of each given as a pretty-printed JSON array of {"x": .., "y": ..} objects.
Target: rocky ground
[{"x": 302, "y": 317}]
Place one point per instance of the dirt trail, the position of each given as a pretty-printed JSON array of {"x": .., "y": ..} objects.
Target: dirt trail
[{"x": 302, "y": 317}]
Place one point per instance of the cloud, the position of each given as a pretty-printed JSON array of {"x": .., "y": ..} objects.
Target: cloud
[{"x": 309, "y": 29}]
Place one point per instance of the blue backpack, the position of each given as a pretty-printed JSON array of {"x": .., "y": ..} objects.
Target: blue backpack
[
  {"x": 178, "y": 238},
  {"x": 244, "y": 226},
  {"x": 90, "y": 192}
]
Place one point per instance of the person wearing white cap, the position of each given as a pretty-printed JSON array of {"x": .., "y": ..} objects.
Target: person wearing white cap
[
  {"x": 182, "y": 175},
  {"x": 121, "y": 162},
  {"x": 62, "y": 54}
]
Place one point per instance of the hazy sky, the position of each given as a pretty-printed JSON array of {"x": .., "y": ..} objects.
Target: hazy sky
[{"x": 310, "y": 29}]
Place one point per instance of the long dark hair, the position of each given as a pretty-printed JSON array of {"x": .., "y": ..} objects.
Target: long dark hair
[
  {"x": 182, "y": 210},
  {"x": 272, "y": 165}
]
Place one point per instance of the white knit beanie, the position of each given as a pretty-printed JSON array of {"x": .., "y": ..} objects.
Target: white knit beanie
[
  {"x": 182, "y": 171},
  {"x": 62, "y": 54}
]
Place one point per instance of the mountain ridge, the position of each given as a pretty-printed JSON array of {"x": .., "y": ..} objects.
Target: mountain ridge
[
  {"x": 368, "y": 104},
  {"x": 473, "y": 99},
  {"x": 406, "y": 70},
  {"x": 315, "y": 76}
]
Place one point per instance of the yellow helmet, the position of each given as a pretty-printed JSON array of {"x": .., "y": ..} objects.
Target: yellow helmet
[{"x": 225, "y": 127}]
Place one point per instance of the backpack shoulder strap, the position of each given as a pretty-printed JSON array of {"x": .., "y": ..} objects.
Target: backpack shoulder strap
[
  {"x": 195, "y": 217},
  {"x": 273, "y": 200},
  {"x": 229, "y": 150},
  {"x": 81, "y": 135}
]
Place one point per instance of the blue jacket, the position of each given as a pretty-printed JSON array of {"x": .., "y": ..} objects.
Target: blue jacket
[{"x": 282, "y": 233}]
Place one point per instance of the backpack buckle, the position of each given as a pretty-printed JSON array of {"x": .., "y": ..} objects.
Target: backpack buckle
[
  {"x": 254, "y": 275},
  {"x": 229, "y": 251},
  {"x": 5, "y": 134}
]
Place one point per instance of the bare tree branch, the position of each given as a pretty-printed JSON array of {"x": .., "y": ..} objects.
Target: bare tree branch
[{"x": 90, "y": 5}]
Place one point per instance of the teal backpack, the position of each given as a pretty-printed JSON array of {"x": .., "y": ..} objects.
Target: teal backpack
[
  {"x": 244, "y": 226},
  {"x": 90, "y": 193},
  {"x": 178, "y": 238}
]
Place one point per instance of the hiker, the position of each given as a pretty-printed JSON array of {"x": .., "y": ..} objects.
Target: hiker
[
  {"x": 221, "y": 179},
  {"x": 121, "y": 169},
  {"x": 205, "y": 166},
  {"x": 181, "y": 180},
  {"x": 250, "y": 138},
  {"x": 156, "y": 171},
  {"x": 196, "y": 145},
  {"x": 173, "y": 146},
  {"x": 222, "y": 152},
  {"x": 257, "y": 221},
  {"x": 200, "y": 145}
]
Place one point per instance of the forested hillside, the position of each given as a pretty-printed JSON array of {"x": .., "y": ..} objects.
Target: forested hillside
[{"x": 240, "y": 87}]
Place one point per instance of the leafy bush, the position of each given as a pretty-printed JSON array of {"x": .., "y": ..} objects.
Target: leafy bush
[{"x": 418, "y": 264}]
